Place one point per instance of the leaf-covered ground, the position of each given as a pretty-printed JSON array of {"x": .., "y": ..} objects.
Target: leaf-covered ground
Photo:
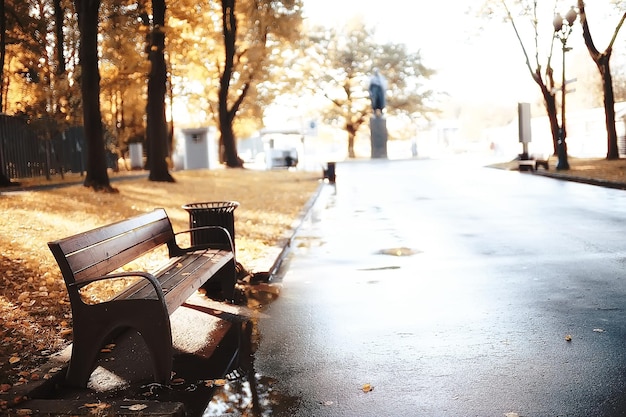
[{"x": 35, "y": 317}]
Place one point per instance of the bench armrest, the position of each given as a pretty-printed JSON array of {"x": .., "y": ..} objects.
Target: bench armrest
[
  {"x": 176, "y": 250},
  {"x": 155, "y": 283}
]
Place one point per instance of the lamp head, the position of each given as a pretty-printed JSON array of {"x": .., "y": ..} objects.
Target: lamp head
[
  {"x": 571, "y": 16},
  {"x": 558, "y": 22}
]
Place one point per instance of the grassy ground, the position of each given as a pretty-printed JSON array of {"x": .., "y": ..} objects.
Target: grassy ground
[
  {"x": 596, "y": 169},
  {"x": 35, "y": 317}
]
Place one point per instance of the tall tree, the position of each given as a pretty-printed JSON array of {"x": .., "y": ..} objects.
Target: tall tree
[
  {"x": 226, "y": 113},
  {"x": 157, "y": 132},
  {"x": 123, "y": 68},
  {"x": 97, "y": 176},
  {"x": 543, "y": 77},
  {"x": 602, "y": 60},
  {"x": 340, "y": 63},
  {"x": 269, "y": 25},
  {"x": 3, "y": 49},
  {"x": 4, "y": 180}
]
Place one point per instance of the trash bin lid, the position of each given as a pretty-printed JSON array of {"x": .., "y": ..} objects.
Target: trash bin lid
[{"x": 212, "y": 206}]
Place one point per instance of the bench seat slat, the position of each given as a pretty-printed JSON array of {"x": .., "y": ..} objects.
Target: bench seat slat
[{"x": 180, "y": 278}]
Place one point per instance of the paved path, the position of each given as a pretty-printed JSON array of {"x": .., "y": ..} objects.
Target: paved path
[{"x": 497, "y": 270}]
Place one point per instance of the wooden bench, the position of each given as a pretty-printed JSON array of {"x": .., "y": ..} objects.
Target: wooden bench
[
  {"x": 534, "y": 162},
  {"x": 145, "y": 306}
]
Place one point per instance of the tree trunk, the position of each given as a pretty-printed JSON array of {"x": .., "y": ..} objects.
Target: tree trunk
[
  {"x": 157, "y": 84},
  {"x": 602, "y": 60},
  {"x": 97, "y": 177},
  {"x": 3, "y": 51},
  {"x": 4, "y": 180},
  {"x": 351, "y": 136},
  {"x": 226, "y": 115},
  {"x": 550, "y": 103},
  {"x": 60, "y": 39},
  {"x": 609, "y": 106}
]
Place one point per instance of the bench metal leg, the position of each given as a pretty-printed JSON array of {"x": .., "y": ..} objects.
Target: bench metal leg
[
  {"x": 89, "y": 336},
  {"x": 229, "y": 280},
  {"x": 223, "y": 282},
  {"x": 88, "y": 341}
]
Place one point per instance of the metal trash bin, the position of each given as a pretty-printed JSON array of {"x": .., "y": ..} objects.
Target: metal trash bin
[{"x": 214, "y": 213}]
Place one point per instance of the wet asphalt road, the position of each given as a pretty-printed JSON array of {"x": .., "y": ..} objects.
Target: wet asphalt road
[{"x": 452, "y": 290}]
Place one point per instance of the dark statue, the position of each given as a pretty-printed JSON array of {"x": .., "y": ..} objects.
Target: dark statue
[{"x": 377, "y": 88}]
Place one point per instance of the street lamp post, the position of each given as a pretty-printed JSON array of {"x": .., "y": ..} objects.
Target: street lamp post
[{"x": 562, "y": 30}]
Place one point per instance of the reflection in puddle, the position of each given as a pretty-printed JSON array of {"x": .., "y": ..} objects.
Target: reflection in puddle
[
  {"x": 401, "y": 251},
  {"x": 247, "y": 393}
]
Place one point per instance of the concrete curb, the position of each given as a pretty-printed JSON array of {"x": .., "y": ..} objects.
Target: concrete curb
[
  {"x": 295, "y": 227},
  {"x": 566, "y": 177},
  {"x": 582, "y": 180}
]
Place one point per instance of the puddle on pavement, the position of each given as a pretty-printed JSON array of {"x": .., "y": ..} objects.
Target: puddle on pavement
[
  {"x": 244, "y": 392},
  {"x": 401, "y": 251}
]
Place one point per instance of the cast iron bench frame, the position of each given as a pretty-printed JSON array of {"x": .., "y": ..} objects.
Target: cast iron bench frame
[{"x": 145, "y": 306}]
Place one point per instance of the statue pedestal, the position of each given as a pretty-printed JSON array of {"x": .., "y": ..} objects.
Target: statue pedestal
[{"x": 378, "y": 129}]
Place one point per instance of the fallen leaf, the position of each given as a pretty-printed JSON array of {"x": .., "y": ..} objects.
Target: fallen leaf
[
  {"x": 14, "y": 359},
  {"x": 178, "y": 381},
  {"x": 97, "y": 406},
  {"x": 367, "y": 388},
  {"x": 568, "y": 338},
  {"x": 5, "y": 387}
]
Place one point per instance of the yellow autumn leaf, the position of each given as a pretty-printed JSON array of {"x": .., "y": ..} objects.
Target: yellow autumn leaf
[
  {"x": 97, "y": 406},
  {"x": 14, "y": 359},
  {"x": 367, "y": 387}
]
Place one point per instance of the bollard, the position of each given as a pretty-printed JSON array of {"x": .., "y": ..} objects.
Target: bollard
[{"x": 329, "y": 172}]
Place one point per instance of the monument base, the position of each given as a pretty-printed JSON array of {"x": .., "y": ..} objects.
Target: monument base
[{"x": 378, "y": 130}]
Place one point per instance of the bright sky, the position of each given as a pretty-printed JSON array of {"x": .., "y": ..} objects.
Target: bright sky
[{"x": 468, "y": 66}]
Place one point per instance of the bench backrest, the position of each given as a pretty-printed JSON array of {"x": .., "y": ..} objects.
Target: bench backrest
[{"x": 99, "y": 251}]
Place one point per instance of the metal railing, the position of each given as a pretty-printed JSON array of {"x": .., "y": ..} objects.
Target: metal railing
[{"x": 26, "y": 153}]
